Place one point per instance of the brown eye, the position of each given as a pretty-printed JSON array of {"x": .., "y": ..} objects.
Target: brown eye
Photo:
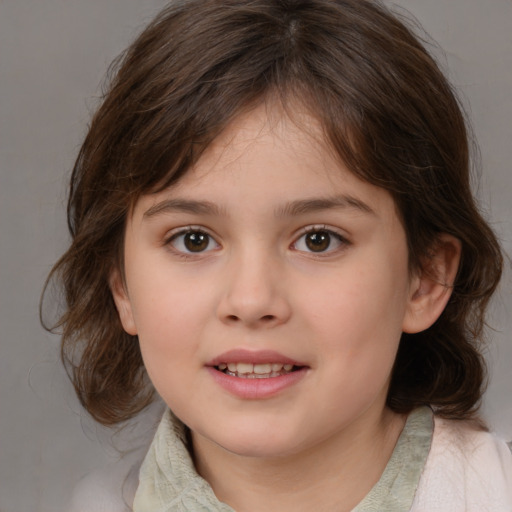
[
  {"x": 318, "y": 241},
  {"x": 196, "y": 242},
  {"x": 193, "y": 242}
]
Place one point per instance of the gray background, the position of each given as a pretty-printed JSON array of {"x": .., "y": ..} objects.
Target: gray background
[{"x": 53, "y": 55}]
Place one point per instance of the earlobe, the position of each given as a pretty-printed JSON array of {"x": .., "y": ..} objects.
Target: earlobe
[
  {"x": 432, "y": 287},
  {"x": 122, "y": 301}
]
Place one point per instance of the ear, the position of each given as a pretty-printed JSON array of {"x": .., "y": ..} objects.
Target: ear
[
  {"x": 122, "y": 301},
  {"x": 432, "y": 287}
]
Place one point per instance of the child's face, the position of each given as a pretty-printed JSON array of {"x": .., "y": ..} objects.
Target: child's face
[{"x": 268, "y": 251}]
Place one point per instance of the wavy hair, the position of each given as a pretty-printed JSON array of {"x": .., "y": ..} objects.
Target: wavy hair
[{"x": 386, "y": 110}]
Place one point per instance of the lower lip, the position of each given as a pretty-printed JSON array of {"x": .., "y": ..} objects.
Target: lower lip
[{"x": 256, "y": 389}]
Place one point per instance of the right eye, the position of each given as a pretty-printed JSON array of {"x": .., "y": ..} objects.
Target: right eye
[
  {"x": 192, "y": 241},
  {"x": 320, "y": 241}
]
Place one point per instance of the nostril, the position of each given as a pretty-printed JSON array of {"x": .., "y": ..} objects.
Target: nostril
[
  {"x": 233, "y": 318},
  {"x": 268, "y": 318}
]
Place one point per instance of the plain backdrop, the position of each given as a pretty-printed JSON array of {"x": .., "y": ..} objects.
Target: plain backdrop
[{"x": 53, "y": 55}]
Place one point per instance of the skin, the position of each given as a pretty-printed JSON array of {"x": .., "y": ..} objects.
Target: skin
[{"x": 322, "y": 442}]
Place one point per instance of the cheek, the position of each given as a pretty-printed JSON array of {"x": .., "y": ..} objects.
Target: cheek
[
  {"x": 168, "y": 342},
  {"x": 165, "y": 299},
  {"x": 358, "y": 318},
  {"x": 355, "y": 304},
  {"x": 169, "y": 319}
]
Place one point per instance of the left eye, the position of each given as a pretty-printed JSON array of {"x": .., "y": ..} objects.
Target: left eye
[
  {"x": 193, "y": 242},
  {"x": 318, "y": 241}
]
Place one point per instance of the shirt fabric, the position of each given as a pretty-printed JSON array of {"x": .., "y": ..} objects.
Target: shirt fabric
[{"x": 437, "y": 465}]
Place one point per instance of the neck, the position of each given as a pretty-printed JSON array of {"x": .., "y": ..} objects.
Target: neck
[{"x": 335, "y": 474}]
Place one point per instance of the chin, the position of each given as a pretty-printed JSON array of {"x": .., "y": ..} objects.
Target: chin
[
  {"x": 263, "y": 451},
  {"x": 261, "y": 443}
]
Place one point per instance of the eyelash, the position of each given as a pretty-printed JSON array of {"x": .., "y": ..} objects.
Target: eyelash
[
  {"x": 195, "y": 230},
  {"x": 342, "y": 241},
  {"x": 189, "y": 231}
]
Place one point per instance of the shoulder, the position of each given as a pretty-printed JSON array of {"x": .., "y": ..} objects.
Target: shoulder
[
  {"x": 467, "y": 469},
  {"x": 109, "y": 489},
  {"x": 472, "y": 445}
]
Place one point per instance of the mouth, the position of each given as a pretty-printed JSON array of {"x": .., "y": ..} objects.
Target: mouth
[
  {"x": 256, "y": 374},
  {"x": 256, "y": 371}
]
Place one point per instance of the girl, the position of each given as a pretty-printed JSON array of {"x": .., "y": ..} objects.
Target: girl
[{"x": 273, "y": 229}]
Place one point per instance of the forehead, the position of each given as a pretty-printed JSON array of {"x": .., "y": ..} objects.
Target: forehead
[{"x": 268, "y": 156}]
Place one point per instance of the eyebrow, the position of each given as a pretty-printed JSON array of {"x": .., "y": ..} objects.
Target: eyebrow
[
  {"x": 293, "y": 208},
  {"x": 183, "y": 205},
  {"x": 303, "y": 206}
]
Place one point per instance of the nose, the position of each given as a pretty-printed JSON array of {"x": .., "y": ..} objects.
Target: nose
[{"x": 254, "y": 293}]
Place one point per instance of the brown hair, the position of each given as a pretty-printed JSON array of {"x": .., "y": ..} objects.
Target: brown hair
[{"x": 387, "y": 111}]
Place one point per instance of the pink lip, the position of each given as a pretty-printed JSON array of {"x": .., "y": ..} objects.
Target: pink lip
[
  {"x": 255, "y": 389},
  {"x": 254, "y": 357}
]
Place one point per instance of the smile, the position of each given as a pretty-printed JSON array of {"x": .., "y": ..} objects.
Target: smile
[
  {"x": 256, "y": 375},
  {"x": 256, "y": 371}
]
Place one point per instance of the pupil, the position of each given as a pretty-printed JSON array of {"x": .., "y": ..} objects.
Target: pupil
[
  {"x": 196, "y": 242},
  {"x": 318, "y": 241}
]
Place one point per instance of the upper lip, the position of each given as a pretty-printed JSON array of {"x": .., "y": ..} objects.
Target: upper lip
[{"x": 254, "y": 357}]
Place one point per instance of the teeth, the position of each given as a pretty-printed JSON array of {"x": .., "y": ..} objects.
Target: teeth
[
  {"x": 255, "y": 371},
  {"x": 260, "y": 369},
  {"x": 244, "y": 368}
]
